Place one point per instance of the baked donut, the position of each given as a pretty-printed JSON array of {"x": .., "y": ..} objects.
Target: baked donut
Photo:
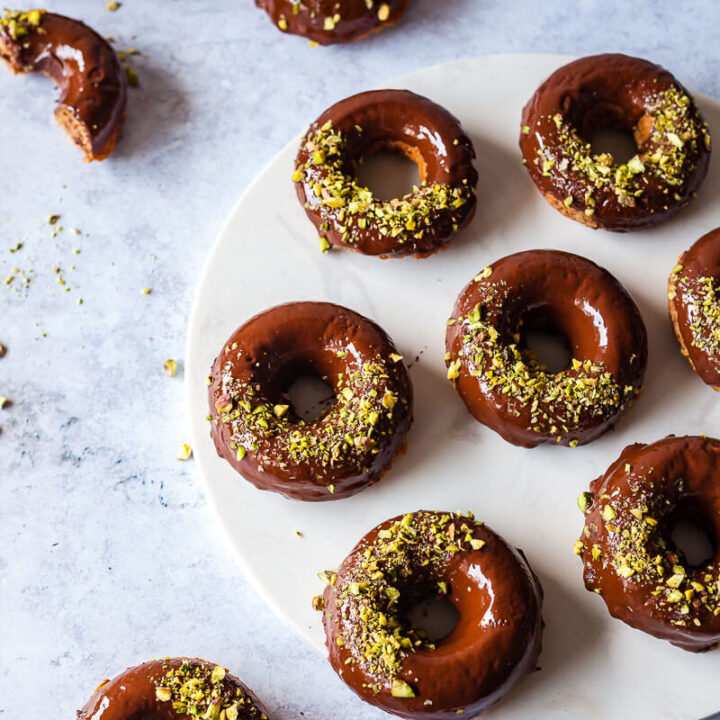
[
  {"x": 91, "y": 107},
  {"x": 333, "y": 21},
  {"x": 349, "y": 215},
  {"x": 694, "y": 306},
  {"x": 390, "y": 663},
  {"x": 629, "y": 557},
  {"x": 499, "y": 379},
  {"x": 352, "y": 444},
  {"x": 632, "y": 95},
  {"x": 173, "y": 689}
]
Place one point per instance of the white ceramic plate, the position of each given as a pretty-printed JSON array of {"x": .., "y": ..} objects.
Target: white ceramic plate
[{"x": 267, "y": 253}]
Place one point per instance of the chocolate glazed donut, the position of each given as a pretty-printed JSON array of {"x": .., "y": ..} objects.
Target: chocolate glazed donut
[
  {"x": 695, "y": 307},
  {"x": 501, "y": 382},
  {"x": 347, "y": 214},
  {"x": 390, "y": 663},
  {"x": 635, "y": 96},
  {"x": 352, "y": 444},
  {"x": 333, "y": 21},
  {"x": 173, "y": 689},
  {"x": 92, "y": 83},
  {"x": 629, "y": 557}
]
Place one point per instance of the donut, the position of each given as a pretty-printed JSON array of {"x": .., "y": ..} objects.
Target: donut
[
  {"x": 629, "y": 557},
  {"x": 499, "y": 379},
  {"x": 630, "y": 94},
  {"x": 333, "y": 21},
  {"x": 350, "y": 216},
  {"x": 91, "y": 107},
  {"x": 352, "y": 444},
  {"x": 694, "y": 306},
  {"x": 173, "y": 689},
  {"x": 390, "y": 663}
]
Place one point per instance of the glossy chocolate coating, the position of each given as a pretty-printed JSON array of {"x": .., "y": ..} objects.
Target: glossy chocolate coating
[
  {"x": 558, "y": 292},
  {"x": 132, "y": 694},
  {"x": 683, "y": 475},
  {"x": 333, "y": 21},
  {"x": 91, "y": 106},
  {"x": 685, "y": 302},
  {"x": 412, "y": 125},
  {"x": 288, "y": 341},
  {"x": 590, "y": 94},
  {"x": 496, "y": 642}
]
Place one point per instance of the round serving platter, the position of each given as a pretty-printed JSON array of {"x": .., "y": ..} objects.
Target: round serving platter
[{"x": 268, "y": 253}]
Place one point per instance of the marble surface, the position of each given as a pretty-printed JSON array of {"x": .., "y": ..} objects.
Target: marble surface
[{"x": 108, "y": 555}]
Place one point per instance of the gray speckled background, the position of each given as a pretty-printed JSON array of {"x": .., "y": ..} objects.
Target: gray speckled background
[{"x": 107, "y": 551}]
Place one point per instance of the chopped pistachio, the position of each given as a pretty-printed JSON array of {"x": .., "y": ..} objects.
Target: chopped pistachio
[
  {"x": 185, "y": 452},
  {"x": 584, "y": 501},
  {"x": 400, "y": 689},
  {"x": 170, "y": 368}
]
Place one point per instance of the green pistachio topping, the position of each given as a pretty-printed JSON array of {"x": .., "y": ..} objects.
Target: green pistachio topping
[
  {"x": 352, "y": 431},
  {"x": 18, "y": 23},
  {"x": 638, "y": 552},
  {"x": 701, "y": 298},
  {"x": 677, "y": 137},
  {"x": 584, "y": 501},
  {"x": 559, "y": 404},
  {"x": 201, "y": 691},
  {"x": 396, "y": 568},
  {"x": 350, "y": 209}
]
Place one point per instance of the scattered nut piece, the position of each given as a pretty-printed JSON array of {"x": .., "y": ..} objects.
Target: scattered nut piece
[
  {"x": 170, "y": 368},
  {"x": 185, "y": 452}
]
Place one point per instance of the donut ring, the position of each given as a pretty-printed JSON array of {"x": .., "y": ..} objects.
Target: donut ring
[
  {"x": 503, "y": 385},
  {"x": 352, "y": 444},
  {"x": 173, "y": 689},
  {"x": 391, "y": 664},
  {"x": 329, "y": 21},
  {"x": 694, "y": 307},
  {"x": 630, "y": 94},
  {"x": 91, "y": 107},
  {"x": 628, "y": 556},
  {"x": 347, "y": 214}
]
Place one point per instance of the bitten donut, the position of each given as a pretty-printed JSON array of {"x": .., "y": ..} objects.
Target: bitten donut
[
  {"x": 629, "y": 557},
  {"x": 333, "y": 21},
  {"x": 173, "y": 689},
  {"x": 499, "y": 379},
  {"x": 352, "y": 444},
  {"x": 347, "y": 214},
  {"x": 630, "y": 94},
  {"x": 390, "y": 663},
  {"x": 695, "y": 306},
  {"x": 91, "y": 107}
]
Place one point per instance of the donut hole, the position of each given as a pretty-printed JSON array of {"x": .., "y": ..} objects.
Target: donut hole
[
  {"x": 309, "y": 396},
  {"x": 435, "y": 615},
  {"x": 543, "y": 340},
  {"x": 390, "y": 170},
  {"x": 691, "y": 536},
  {"x": 617, "y": 142},
  {"x": 549, "y": 348},
  {"x": 606, "y": 128}
]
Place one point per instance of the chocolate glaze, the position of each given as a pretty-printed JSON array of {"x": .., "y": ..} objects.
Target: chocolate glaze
[
  {"x": 414, "y": 126},
  {"x": 91, "y": 106},
  {"x": 596, "y": 92},
  {"x": 685, "y": 303},
  {"x": 558, "y": 292},
  {"x": 274, "y": 348},
  {"x": 677, "y": 477},
  {"x": 496, "y": 642},
  {"x": 132, "y": 694},
  {"x": 333, "y": 21}
]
